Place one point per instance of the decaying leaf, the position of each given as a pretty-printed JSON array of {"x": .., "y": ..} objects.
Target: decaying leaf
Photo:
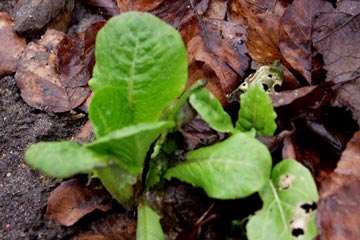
[
  {"x": 179, "y": 204},
  {"x": 347, "y": 95},
  {"x": 33, "y": 16},
  {"x": 349, "y": 164},
  {"x": 296, "y": 37},
  {"x": 175, "y": 12},
  {"x": 336, "y": 36},
  {"x": 46, "y": 86},
  {"x": 72, "y": 200},
  {"x": 115, "y": 226},
  {"x": 14, "y": 47},
  {"x": 218, "y": 45},
  {"x": 339, "y": 208},
  {"x": 262, "y": 20},
  {"x": 139, "y": 5},
  {"x": 171, "y": 11}
]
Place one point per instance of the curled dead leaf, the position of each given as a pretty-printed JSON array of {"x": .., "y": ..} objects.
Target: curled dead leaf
[
  {"x": 14, "y": 47},
  {"x": 72, "y": 200}
]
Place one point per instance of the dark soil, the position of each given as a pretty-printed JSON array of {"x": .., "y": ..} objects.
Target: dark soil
[{"x": 24, "y": 192}]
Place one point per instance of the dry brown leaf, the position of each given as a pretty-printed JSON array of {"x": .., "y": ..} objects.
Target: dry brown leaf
[
  {"x": 175, "y": 12},
  {"x": 38, "y": 79},
  {"x": 14, "y": 47},
  {"x": 338, "y": 214},
  {"x": 339, "y": 205},
  {"x": 32, "y": 16},
  {"x": 217, "y": 46},
  {"x": 171, "y": 11},
  {"x": 72, "y": 200},
  {"x": 349, "y": 163},
  {"x": 348, "y": 96},
  {"x": 295, "y": 37},
  {"x": 115, "y": 226},
  {"x": 138, "y": 5},
  {"x": 336, "y": 36},
  {"x": 261, "y": 19}
]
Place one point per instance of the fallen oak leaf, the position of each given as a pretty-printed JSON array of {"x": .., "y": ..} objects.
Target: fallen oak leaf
[
  {"x": 39, "y": 82},
  {"x": 72, "y": 200},
  {"x": 296, "y": 38},
  {"x": 339, "y": 197},
  {"x": 336, "y": 36},
  {"x": 175, "y": 12},
  {"x": 261, "y": 18},
  {"x": 218, "y": 45}
]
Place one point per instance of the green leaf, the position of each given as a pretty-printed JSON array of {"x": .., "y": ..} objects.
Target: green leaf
[
  {"x": 109, "y": 111},
  {"x": 210, "y": 110},
  {"x": 234, "y": 168},
  {"x": 289, "y": 205},
  {"x": 145, "y": 58},
  {"x": 119, "y": 183},
  {"x": 128, "y": 146},
  {"x": 256, "y": 111},
  {"x": 63, "y": 159},
  {"x": 148, "y": 224}
]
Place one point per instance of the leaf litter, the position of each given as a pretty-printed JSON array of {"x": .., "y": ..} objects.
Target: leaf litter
[{"x": 225, "y": 43}]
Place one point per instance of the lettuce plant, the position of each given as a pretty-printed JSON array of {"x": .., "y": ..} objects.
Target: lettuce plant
[{"x": 140, "y": 72}]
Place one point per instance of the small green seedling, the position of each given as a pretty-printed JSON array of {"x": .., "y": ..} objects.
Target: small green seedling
[{"x": 140, "y": 71}]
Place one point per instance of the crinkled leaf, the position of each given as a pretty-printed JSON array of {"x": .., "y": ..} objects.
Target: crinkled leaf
[
  {"x": 210, "y": 110},
  {"x": 119, "y": 183},
  {"x": 234, "y": 168},
  {"x": 137, "y": 51},
  {"x": 148, "y": 225},
  {"x": 128, "y": 146},
  {"x": 63, "y": 159},
  {"x": 109, "y": 111},
  {"x": 256, "y": 111},
  {"x": 289, "y": 205}
]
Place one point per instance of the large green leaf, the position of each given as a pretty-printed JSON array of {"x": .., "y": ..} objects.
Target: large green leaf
[
  {"x": 234, "y": 168},
  {"x": 128, "y": 146},
  {"x": 119, "y": 183},
  {"x": 210, "y": 110},
  {"x": 63, "y": 159},
  {"x": 145, "y": 58},
  {"x": 289, "y": 205},
  {"x": 148, "y": 224},
  {"x": 256, "y": 111},
  {"x": 109, "y": 111}
]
